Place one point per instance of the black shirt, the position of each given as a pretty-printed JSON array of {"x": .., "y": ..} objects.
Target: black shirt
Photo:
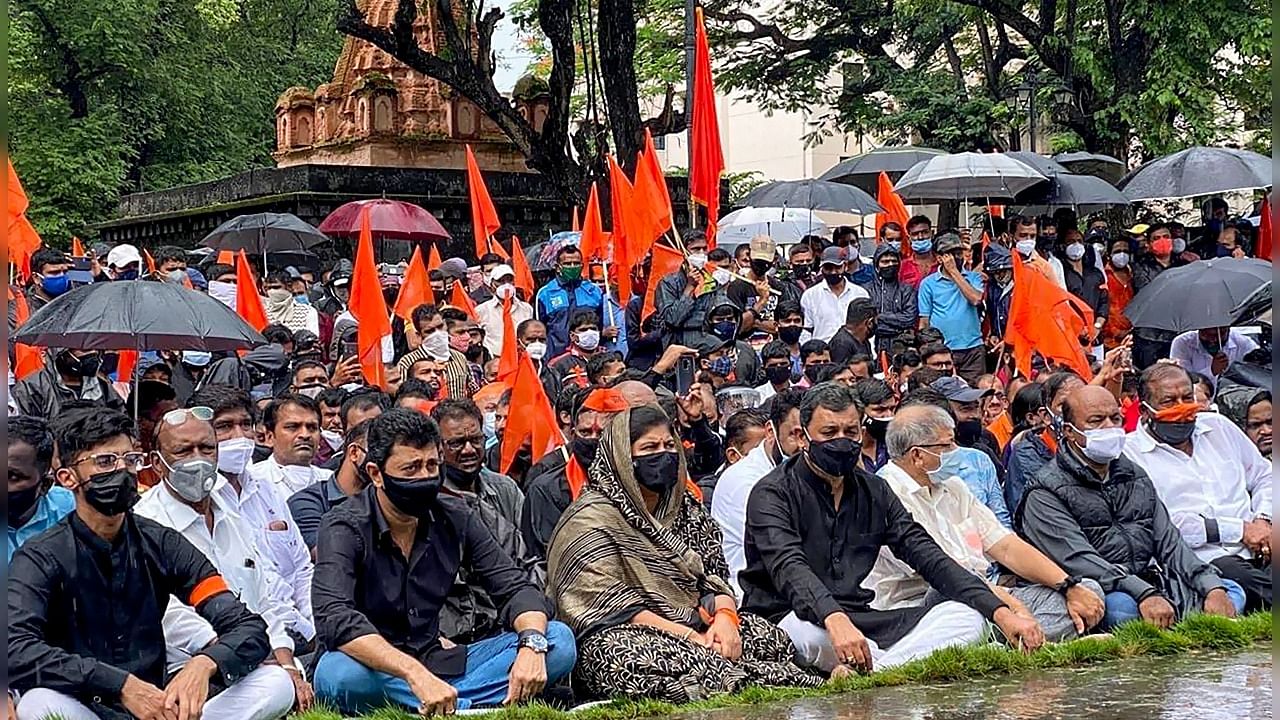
[
  {"x": 363, "y": 585},
  {"x": 805, "y": 555},
  {"x": 84, "y": 614},
  {"x": 743, "y": 294},
  {"x": 545, "y": 500},
  {"x": 309, "y": 505},
  {"x": 844, "y": 346}
]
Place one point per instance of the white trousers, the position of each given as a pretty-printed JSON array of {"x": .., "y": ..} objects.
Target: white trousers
[
  {"x": 264, "y": 694},
  {"x": 947, "y": 624}
]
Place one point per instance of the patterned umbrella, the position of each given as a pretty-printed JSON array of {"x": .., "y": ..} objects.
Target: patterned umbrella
[{"x": 389, "y": 219}]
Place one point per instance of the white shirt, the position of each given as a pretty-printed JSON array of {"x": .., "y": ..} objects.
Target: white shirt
[
  {"x": 729, "y": 506},
  {"x": 288, "y": 479},
  {"x": 824, "y": 311},
  {"x": 490, "y": 316},
  {"x": 1059, "y": 275},
  {"x": 260, "y": 504},
  {"x": 962, "y": 526},
  {"x": 234, "y": 553},
  {"x": 1225, "y": 483},
  {"x": 1187, "y": 351}
]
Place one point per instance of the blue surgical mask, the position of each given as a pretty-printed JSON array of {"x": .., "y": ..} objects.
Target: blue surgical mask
[
  {"x": 302, "y": 299},
  {"x": 490, "y": 424},
  {"x": 950, "y": 465},
  {"x": 55, "y": 285},
  {"x": 922, "y": 246}
]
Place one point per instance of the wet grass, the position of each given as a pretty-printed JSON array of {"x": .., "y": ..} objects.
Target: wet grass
[{"x": 1196, "y": 632}]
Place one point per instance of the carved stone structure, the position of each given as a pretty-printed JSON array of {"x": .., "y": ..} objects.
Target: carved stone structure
[{"x": 378, "y": 112}]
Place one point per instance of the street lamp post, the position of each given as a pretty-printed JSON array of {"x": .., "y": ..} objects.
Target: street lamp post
[{"x": 1027, "y": 95}]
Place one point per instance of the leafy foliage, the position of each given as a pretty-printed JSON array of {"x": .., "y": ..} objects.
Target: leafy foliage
[{"x": 123, "y": 95}]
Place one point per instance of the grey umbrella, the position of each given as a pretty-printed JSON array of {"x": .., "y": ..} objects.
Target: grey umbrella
[
  {"x": 1198, "y": 295},
  {"x": 1041, "y": 164},
  {"x": 137, "y": 315},
  {"x": 1084, "y": 193},
  {"x": 864, "y": 170},
  {"x": 813, "y": 195},
  {"x": 995, "y": 177},
  {"x": 261, "y": 233},
  {"x": 1096, "y": 164},
  {"x": 1198, "y": 171}
]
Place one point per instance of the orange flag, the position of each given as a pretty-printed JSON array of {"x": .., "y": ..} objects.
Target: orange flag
[
  {"x": 126, "y": 364},
  {"x": 21, "y": 235},
  {"x": 416, "y": 288},
  {"x": 577, "y": 224},
  {"x": 524, "y": 276},
  {"x": 665, "y": 261},
  {"x": 1047, "y": 319},
  {"x": 536, "y": 420},
  {"x": 151, "y": 262},
  {"x": 461, "y": 299},
  {"x": 369, "y": 307},
  {"x": 894, "y": 211},
  {"x": 77, "y": 247},
  {"x": 593, "y": 244},
  {"x": 248, "y": 301},
  {"x": 484, "y": 216},
  {"x": 1265, "y": 239},
  {"x": 226, "y": 257},
  {"x": 509, "y": 361},
  {"x": 707, "y": 158},
  {"x": 433, "y": 257},
  {"x": 620, "y": 204},
  {"x": 651, "y": 201},
  {"x": 27, "y": 358}
]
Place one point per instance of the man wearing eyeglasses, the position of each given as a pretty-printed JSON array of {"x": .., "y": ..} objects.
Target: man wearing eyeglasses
[
  {"x": 469, "y": 613},
  {"x": 87, "y": 598},
  {"x": 185, "y": 458}
]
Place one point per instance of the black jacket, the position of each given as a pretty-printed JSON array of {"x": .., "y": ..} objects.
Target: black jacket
[
  {"x": 1115, "y": 531},
  {"x": 1090, "y": 285},
  {"x": 895, "y": 304},
  {"x": 85, "y": 614},
  {"x": 43, "y": 393}
]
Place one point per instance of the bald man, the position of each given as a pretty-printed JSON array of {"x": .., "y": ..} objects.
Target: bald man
[
  {"x": 1097, "y": 514},
  {"x": 636, "y": 393}
]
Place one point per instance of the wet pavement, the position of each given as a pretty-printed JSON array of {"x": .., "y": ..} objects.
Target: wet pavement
[{"x": 1197, "y": 686}]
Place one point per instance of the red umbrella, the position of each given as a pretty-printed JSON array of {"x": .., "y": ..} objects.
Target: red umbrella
[{"x": 390, "y": 219}]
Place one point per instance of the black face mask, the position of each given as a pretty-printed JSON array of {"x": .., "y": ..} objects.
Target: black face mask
[
  {"x": 876, "y": 427},
  {"x": 968, "y": 432},
  {"x": 412, "y": 496},
  {"x": 658, "y": 472},
  {"x": 790, "y": 334},
  {"x": 888, "y": 274},
  {"x": 111, "y": 492},
  {"x": 813, "y": 371},
  {"x": 833, "y": 279},
  {"x": 72, "y": 366},
  {"x": 461, "y": 478},
  {"x": 584, "y": 449},
  {"x": 801, "y": 271},
  {"x": 761, "y": 267},
  {"x": 1045, "y": 243},
  {"x": 22, "y": 505},
  {"x": 1171, "y": 433},
  {"x": 834, "y": 457},
  {"x": 778, "y": 374}
]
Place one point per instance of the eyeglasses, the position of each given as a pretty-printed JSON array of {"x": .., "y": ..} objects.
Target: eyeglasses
[
  {"x": 458, "y": 444},
  {"x": 106, "y": 462},
  {"x": 179, "y": 416}
]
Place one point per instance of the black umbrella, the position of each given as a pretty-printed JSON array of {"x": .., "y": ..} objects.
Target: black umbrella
[
  {"x": 1096, "y": 164},
  {"x": 864, "y": 170},
  {"x": 1085, "y": 193},
  {"x": 1041, "y": 164},
  {"x": 813, "y": 195},
  {"x": 1198, "y": 295},
  {"x": 137, "y": 315},
  {"x": 264, "y": 233},
  {"x": 1198, "y": 171}
]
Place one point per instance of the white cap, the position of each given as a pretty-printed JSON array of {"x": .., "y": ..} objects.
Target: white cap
[
  {"x": 499, "y": 272},
  {"x": 122, "y": 255}
]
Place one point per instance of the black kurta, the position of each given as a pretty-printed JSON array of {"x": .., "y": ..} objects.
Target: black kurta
[{"x": 805, "y": 555}]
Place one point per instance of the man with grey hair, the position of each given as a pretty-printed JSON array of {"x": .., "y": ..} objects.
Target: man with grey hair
[
  {"x": 920, "y": 438},
  {"x": 814, "y": 526}
]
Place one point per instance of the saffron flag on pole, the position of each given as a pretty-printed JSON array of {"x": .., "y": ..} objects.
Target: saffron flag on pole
[
  {"x": 665, "y": 261},
  {"x": 368, "y": 307},
  {"x": 509, "y": 360},
  {"x": 1046, "y": 319},
  {"x": 620, "y": 204},
  {"x": 535, "y": 423},
  {"x": 21, "y": 235},
  {"x": 524, "y": 276},
  {"x": 77, "y": 247},
  {"x": 460, "y": 299},
  {"x": 1265, "y": 239},
  {"x": 707, "y": 158},
  {"x": 894, "y": 211},
  {"x": 27, "y": 358},
  {"x": 248, "y": 302},
  {"x": 651, "y": 201},
  {"x": 593, "y": 243},
  {"x": 416, "y": 288},
  {"x": 433, "y": 257},
  {"x": 484, "y": 216}
]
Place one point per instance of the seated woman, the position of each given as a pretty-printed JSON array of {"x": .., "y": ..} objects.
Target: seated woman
[{"x": 636, "y": 569}]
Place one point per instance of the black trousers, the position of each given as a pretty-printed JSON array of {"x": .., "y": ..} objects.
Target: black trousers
[
  {"x": 970, "y": 363},
  {"x": 1255, "y": 579}
]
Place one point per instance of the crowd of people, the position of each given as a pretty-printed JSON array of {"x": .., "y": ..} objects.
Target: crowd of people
[{"x": 802, "y": 463}]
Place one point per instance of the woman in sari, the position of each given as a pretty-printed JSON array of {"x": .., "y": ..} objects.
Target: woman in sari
[{"x": 636, "y": 569}]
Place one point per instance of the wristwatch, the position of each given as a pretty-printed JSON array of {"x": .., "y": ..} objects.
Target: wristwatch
[
  {"x": 1065, "y": 585},
  {"x": 534, "y": 640}
]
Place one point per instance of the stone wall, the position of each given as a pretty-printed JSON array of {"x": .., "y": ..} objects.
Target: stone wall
[{"x": 184, "y": 215}]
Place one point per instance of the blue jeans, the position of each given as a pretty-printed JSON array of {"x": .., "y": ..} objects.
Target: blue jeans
[
  {"x": 1121, "y": 607},
  {"x": 343, "y": 682}
]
